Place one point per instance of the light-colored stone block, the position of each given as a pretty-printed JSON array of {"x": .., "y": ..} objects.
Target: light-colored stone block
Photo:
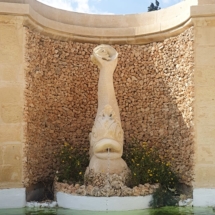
[
  {"x": 11, "y": 168},
  {"x": 12, "y": 198},
  {"x": 11, "y": 94},
  {"x": 11, "y": 113},
  {"x": 205, "y": 35},
  {"x": 12, "y": 154},
  {"x": 9, "y": 173},
  {"x": 205, "y": 154},
  {"x": 205, "y": 94},
  {"x": 203, "y": 197},
  {"x": 10, "y": 133},
  {"x": 202, "y": 2},
  {"x": 205, "y": 22},
  {"x": 205, "y": 114},
  {"x": 205, "y": 56},
  {"x": 11, "y": 43},
  {"x": 204, "y": 176},
  {"x": 205, "y": 134},
  {"x": 204, "y": 76},
  {"x": 11, "y": 73},
  {"x": 1, "y": 155},
  {"x": 204, "y": 106},
  {"x": 11, "y": 20}
]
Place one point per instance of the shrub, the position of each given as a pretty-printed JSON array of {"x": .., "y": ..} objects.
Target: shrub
[
  {"x": 146, "y": 165},
  {"x": 163, "y": 197},
  {"x": 143, "y": 160},
  {"x": 72, "y": 164}
]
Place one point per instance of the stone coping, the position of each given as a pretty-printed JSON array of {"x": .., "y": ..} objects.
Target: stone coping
[
  {"x": 204, "y": 197},
  {"x": 90, "y": 203},
  {"x": 113, "y": 29},
  {"x": 12, "y": 198},
  {"x": 16, "y": 198}
]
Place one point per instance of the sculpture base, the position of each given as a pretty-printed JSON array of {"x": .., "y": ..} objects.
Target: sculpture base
[
  {"x": 110, "y": 166},
  {"x": 106, "y": 184},
  {"x": 89, "y": 203}
]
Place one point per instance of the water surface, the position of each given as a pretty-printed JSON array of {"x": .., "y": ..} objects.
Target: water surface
[{"x": 60, "y": 211}]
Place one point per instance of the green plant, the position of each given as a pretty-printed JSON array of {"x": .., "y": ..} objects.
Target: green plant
[
  {"x": 72, "y": 164},
  {"x": 147, "y": 166},
  {"x": 153, "y": 7},
  {"x": 163, "y": 197}
]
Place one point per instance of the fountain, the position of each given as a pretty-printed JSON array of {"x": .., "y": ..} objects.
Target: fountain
[
  {"x": 107, "y": 175},
  {"x": 106, "y": 138}
]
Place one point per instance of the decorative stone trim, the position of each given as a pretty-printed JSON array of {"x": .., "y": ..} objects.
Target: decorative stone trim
[{"x": 125, "y": 29}]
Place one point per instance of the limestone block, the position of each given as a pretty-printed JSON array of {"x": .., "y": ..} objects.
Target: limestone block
[
  {"x": 204, "y": 176},
  {"x": 204, "y": 76},
  {"x": 205, "y": 154},
  {"x": 10, "y": 133},
  {"x": 11, "y": 73},
  {"x": 12, "y": 154},
  {"x": 11, "y": 94},
  {"x": 205, "y": 114},
  {"x": 200, "y": 2},
  {"x": 205, "y": 93},
  {"x": 205, "y": 35},
  {"x": 9, "y": 173},
  {"x": 12, "y": 198},
  {"x": 205, "y": 134},
  {"x": 11, "y": 44},
  {"x": 11, "y": 113},
  {"x": 1, "y": 155},
  {"x": 209, "y": 56},
  {"x": 7, "y": 19},
  {"x": 204, "y": 22}
]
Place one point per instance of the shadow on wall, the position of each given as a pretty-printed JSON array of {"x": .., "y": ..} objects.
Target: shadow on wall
[{"x": 154, "y": 89}]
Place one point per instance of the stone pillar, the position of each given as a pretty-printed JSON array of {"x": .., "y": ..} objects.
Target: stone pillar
[
  {"x": 11, "y": 101},
  {"x": 204, "y": 80}
]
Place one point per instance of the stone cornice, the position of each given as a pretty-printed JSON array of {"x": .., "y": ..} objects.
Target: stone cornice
[{"x": 121, "y": 29}]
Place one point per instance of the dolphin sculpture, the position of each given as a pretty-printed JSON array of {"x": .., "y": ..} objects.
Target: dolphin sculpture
[{"x": 107, "y": 137}]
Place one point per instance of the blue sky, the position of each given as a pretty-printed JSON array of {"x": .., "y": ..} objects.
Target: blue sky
[{"x": 107, "y": 6}]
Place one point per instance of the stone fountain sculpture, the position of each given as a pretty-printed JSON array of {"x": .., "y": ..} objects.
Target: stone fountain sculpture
[
  {"x": 107, "y": 174},
  {"x": 106, "y": 138}
]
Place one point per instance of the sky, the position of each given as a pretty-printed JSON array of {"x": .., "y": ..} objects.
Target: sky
[{"x": 107, "y": 6}]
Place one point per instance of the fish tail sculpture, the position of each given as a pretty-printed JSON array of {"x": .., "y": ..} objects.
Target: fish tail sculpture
[{"x": 106, "y": 138}]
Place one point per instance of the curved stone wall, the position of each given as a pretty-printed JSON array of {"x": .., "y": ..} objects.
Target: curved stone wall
[
  {"x": 154, "y": 88},
  {"x": 114, "y": 29}
]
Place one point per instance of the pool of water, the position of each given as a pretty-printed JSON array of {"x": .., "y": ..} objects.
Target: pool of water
[{"x": 60, "y": 211}]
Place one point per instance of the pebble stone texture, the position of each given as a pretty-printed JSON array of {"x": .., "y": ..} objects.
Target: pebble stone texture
[{"x": 154, "y": 88}]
